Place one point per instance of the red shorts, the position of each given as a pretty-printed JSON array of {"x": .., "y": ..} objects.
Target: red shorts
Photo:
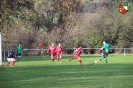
[
  {"x": 59, "y": 54},
  {"x": 53, "y": 54}
]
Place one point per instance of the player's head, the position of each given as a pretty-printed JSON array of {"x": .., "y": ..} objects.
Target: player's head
[
  {"x": 79, "y": 46},
  {"x": 59, "y": 44},
  {"x": 104, "y": 42},
  {"x": 52, "y": 44}
]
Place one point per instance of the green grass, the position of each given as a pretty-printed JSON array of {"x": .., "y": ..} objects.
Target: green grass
[{"x": 37, "y": 72}]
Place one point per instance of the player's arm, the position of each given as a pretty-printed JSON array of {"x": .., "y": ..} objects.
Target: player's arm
[
  {"x": 75, "y": 51},
  {"x": 102, "y": 47},
  {"x": 24, "y": 49},
  {"x": 55, "y": 50},
  {"x": 113, "y": 46}
]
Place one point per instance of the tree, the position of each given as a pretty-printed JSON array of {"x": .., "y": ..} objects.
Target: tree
[{"x": 12, "y": 10}]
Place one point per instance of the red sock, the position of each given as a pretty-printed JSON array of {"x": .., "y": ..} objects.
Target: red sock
[
  {"x": 13, "y": 63},
  {"x": 80, "y": 62},
  {"x": 72, "y": 58},
  {"x": 7, "y": 63},
  {"x": 52, "y": 59}
]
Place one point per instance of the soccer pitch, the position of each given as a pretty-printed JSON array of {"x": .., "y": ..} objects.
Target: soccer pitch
[{"x": 38, "y": 72}]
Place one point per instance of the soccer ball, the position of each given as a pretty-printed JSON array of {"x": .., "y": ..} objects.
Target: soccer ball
[{"x": 95, "y": 62}]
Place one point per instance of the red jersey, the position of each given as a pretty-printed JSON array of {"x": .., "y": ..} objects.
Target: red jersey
[
  {"x": 59, "y": 49},
  {"x": 52, "y": 49},
  {"x": 41, "y": 46},
  {"x": 78, "y": 51}
]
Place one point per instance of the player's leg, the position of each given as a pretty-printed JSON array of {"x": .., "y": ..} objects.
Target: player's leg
[
  {"x": 75, "y": 56},
  {"x": 72, "y": 58},
  {"x": 13, "y": 62},
  {"x": 57, "y": 56},
  {"x": 99, "y": 60},
  {"x": 102, "y": 57},
  {"x": 60, "y": 58},
  {"x": 80, "y": 61},
  {"x": 8, "y": 59},
  {"x": 19, "y": 56},
  {"x": 52, "y": 57},
  {"x": 7, "y": 64},
  {"x": 105, "y": 57},
  {"x": 43, "y": 52}
]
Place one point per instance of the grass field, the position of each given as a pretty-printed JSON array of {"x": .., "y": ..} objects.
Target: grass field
[{"x": 38, "y": 72}]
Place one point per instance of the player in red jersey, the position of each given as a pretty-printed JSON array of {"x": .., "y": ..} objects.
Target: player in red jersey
[
  {"x": 77, "y": 54},
  {"x": 52, "y": 51},
  {"x": 59, "y": 52}
]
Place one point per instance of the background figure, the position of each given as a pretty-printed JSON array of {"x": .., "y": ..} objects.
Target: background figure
[
  {"x": 52, "y": 51},
  {"x": 42, "y": 50},
  {"x": 105, "y": 50},
  {"x": 11, "y": 58},
  {"x": 19, "y": 51},
  {"x": 40, "y": 45},
  {"x": 59, "y": 52},
  {"x": 77, "y": 54}
]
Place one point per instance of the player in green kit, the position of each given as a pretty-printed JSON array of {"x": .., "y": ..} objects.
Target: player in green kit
[
  {"x": 19, "y": 51},
  {"x": 106, "y": 50}
]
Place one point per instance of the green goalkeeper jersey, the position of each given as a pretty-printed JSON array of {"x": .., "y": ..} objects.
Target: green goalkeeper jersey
[
  {"x": 19, "y": 49},
  {"x": 106, "y": 47}
]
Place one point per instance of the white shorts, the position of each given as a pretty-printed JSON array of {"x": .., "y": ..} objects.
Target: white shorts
[{"x": 10, "y": 59}]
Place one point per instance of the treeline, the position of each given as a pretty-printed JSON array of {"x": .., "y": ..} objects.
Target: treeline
[{"x": 69, "y": 22}]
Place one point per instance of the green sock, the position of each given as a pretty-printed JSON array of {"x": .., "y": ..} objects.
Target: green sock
[
  {"x": 105, "y": 59},
  {"x": 101, "y": 58}
]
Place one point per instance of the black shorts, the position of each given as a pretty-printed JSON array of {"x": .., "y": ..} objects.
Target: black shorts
[
  {"x": 105, "y": 54},
  {"x": 19, "y": 54}
]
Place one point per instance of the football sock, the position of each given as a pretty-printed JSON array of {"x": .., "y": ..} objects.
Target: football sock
[
  {"x": 71, "y": 58},
  {"x": 7, "y": 63},
  {"x": 105, "y": 59},
  {"x": 80, "y": 62},
  {"x": 13, "y": 63},
  {"x": 101, "y": 58},
  {"x": 52, "y": 59}
]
